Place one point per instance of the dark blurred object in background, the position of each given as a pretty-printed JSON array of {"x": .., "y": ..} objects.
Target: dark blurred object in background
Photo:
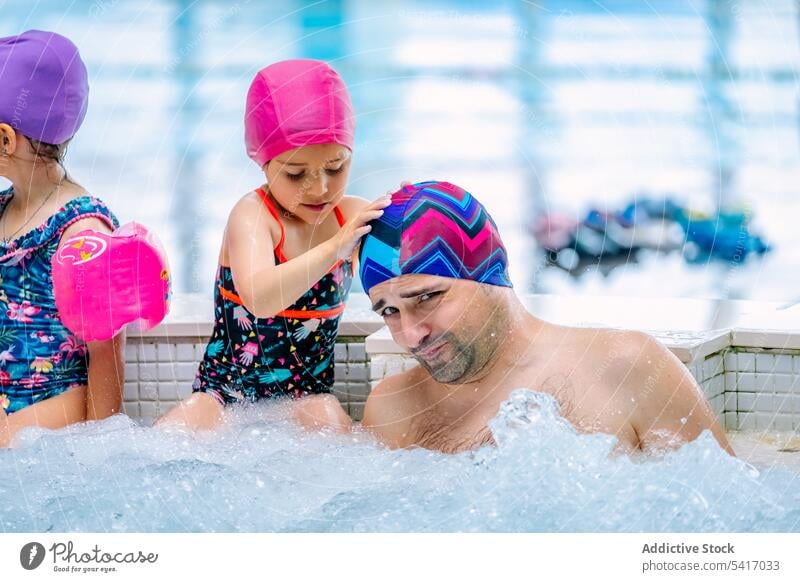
[{"x": 608, "y": 239}]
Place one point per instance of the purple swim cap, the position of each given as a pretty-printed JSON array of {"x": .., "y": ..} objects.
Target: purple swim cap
[
  {"x": 296, "y": 103},
  {"x": 434, "y": 228},
  {"x": 44, "y": 91}
]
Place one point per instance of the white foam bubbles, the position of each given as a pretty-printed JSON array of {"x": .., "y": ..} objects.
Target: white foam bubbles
[{"x": 260, "y": 472}]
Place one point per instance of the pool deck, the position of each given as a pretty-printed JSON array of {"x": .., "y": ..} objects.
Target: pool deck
[{"x": 767, "y": 449}]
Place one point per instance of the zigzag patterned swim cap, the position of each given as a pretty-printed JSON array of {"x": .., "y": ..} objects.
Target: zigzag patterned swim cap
[{"x": 434, "y": 228}]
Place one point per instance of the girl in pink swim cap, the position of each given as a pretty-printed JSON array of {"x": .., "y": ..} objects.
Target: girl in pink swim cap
[
  {"x": 286, "y": 261},
  {"x": 48, "y": 376}
]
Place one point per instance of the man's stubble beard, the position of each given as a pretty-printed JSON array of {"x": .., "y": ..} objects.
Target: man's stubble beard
[{"x": 469, "y": 357}]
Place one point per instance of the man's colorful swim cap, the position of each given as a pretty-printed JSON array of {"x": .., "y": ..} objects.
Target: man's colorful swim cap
[
  {"x": 434, "y": 228},
  {"x": 296, "y": 103},
  {"x": 44, "y": 91}
]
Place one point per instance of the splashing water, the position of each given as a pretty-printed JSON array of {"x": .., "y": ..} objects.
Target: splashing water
[{"x": 262, "y": 473}]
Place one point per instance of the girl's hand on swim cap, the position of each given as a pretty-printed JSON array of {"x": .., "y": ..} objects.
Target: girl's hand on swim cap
[{"x": 348, "y": 237}]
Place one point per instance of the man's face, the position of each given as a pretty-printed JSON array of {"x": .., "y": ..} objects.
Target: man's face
[{"x": 452, "y": 327}]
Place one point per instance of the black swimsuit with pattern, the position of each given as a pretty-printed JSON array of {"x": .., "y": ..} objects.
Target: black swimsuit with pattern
[{"x": 250, "y": 358}]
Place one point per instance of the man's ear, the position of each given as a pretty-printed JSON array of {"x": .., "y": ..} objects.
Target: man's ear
[{"x": 8, "y": 139}]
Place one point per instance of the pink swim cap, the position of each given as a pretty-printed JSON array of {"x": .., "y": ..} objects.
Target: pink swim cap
[{"x": 296, "y": 103}]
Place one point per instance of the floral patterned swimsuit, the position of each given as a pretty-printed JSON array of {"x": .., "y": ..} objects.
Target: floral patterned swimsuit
[
  {"x": 39, "y": 357},
  {"x": 250, "y": 358}
]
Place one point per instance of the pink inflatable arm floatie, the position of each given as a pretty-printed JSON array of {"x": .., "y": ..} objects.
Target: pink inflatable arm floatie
[{"x": 104, "y": 281}]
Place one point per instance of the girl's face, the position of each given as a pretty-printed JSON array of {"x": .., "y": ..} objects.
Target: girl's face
[{"x": 309, "y": 181}]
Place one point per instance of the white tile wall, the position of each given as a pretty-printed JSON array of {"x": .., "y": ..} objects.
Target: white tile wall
[
  {"x": 745, "y": 362},
  {"x": 765, "y": 363},
  {"x": 714, "y": 386},
  {"x": 731, "y": 404},
  {"x": 130, "y": 391},
  {"x": 394, "y": 366},
  {"x": 131, "y": 409},
  {"x": 729, "y": 362},
  {"x": 746, "y": 421},
  {"x": 717, "y": 404},
  {"x": 166, "y": 352},
  {"x": 782, "y": 403},
  {"x": 160, "y": 373},
  {"x": 751, "y": 382},
  {"x": 784, "y": 364},
  {"x": 696, "y": 370},
  {"x": 764, "y": 387},
  {"x": 377, "y": 369},
  {"x": 184, "y": 390},
  {"x": 168, "y": 391},
  {"x": 786, "y": 382},
  {"x": 148, "y": 390},
  {"x": 712, "y": 366},
  {"x": 356, "y": 352},
  {"x": 765, "y": 403},
  {"x": 731, "y": 421},
  {"x": 185, "y": 352},
  {"x": 746, "y": 402},
  {"x": 147, "y": 372},
  {"x": 146, "y": 352}
]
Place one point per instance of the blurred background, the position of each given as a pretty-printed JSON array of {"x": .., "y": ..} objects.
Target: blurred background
[{"x": 624, "y": 147}]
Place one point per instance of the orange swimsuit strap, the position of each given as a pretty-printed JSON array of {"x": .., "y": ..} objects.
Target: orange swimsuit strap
[{"x": 291, "y": 313}]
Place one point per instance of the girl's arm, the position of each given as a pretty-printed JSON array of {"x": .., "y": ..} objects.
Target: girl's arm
[
  {"x": 106, "y": 358},
  {"x": 106, "y": 377},
  {"x": 266, "y": 288}
]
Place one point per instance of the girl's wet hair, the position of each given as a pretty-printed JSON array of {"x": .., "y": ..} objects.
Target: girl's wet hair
[{"x": 48, "y": 152}]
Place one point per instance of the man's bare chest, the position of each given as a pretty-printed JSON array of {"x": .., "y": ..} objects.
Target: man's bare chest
[{"x": 583, "y": 399}]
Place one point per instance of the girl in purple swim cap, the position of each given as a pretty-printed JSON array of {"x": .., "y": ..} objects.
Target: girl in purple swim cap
[
  {"x": 286, "y": 261},
  {"x": 46, "y": 378}
]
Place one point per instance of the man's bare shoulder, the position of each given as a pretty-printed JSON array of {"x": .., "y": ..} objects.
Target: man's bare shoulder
[
  {"x": 626, "y": 359},
  {"x": 655, "y": 391},
  {"x": 393, "y": 404},
  {"x": 621, "y": 352},
  {"x": 604, "y": 352}
]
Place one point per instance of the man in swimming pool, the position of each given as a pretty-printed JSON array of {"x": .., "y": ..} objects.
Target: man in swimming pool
[{"x": 435, "y": 269}]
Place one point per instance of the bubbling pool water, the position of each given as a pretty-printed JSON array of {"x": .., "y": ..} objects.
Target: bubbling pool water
[{"x": 262, "y": 473}]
